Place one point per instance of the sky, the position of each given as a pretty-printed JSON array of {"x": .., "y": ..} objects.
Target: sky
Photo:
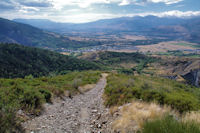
[{"x": 81, "y": 11}]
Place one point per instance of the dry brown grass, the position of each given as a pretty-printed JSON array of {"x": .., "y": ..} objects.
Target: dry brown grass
[
  {"x": 65, "y": 53},
  {"x": 86, "y": 88},
  {"x": 192, "y": 117},
  {"x": 128, "y": 65},
  {"x": 134, "y": 38},
  {"x": 134, "y": 115},
  {"x": 113, "y": 110},
  {"x": 164, "y": 47}
]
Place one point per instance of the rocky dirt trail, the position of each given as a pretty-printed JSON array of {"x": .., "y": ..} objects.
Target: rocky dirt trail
[{"x": 83, "y": 113}]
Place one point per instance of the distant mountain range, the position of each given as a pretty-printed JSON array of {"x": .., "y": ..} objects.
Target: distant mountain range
[
  {"x": 134, "y": 24},
  {"x": 170, "y": 27},
  {"x": 48, "y": 34},
  {"x": 14, "y": 32}
]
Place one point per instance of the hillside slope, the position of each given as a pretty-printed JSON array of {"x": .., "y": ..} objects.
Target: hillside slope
[
  {"x": 14, "y": 32},
  {"x": 19, "y": 61}
]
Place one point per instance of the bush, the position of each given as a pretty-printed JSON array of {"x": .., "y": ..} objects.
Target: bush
[
  {"x": 153, "y": 95},
  {"x": 182, "y": 101},
  {"x": 8, "y": 121},
  {"x": 32, "y": 100},
  {"x": 169, "y": 125},
  {"x": 47, "y": 94},
  {"x": 76, "y": 83},
  {"x": 118, "y": 92},
  {"x": 125, "y": 71}
]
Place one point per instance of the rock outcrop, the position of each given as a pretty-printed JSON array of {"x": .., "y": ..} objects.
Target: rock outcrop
[{"x": 193, "y": 77}]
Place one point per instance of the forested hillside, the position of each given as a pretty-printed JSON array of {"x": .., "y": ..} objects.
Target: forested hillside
[
  {"x": 19, "y": 61},
  {"x": 123, "y": 62}
]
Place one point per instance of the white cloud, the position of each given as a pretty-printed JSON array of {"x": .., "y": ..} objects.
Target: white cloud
[
  {"x": 88, "y": 17},
  {"x": 73, "y": 10},
  {"x": 59, "y": 4},
  {"x": 142, "y": 2},
  {"x": 177, "y": 13},
  {"x": 168, "y": 2},
  {"x": 29, "y": 8},
  {"x": 124, "y": 2},
  {"x": 173, "y": 13}
]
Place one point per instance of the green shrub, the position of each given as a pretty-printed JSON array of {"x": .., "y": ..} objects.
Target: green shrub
[
  {"x": 31, "y": 99},
  {"x": 169, "y": 125},
  {"x": 76, "y": 83},
  {"x": 8, "y": 106},
  {"x": 153, "y": 95},
  {"x": 146, "y": 86},
  {"x": 46, "y": 93},
  {"x": 125, "y": 71},
  {"x": 182, "y": 101},
  {"x": 8, "y": 121}
]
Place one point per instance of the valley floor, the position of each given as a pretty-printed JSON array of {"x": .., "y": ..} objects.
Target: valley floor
[{"x": 83, "y": 113}]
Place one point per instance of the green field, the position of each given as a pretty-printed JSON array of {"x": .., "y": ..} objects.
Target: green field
[
  {"x": 186, "y": 44},
  {"x": 178, "y": 53}
]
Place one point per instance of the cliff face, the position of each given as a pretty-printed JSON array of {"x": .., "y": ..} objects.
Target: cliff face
[
  {"x": 197, "y": 77},
  {"x": 193, "y": 77}
]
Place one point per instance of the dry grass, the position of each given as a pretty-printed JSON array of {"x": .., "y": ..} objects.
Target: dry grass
[
  {"x": 134, "y": 38},
  {"x": 134, "y": 115},
  {"x": 192, "y": 117},
  {"x": 86, "y": 88},
  {"x": 164, "y": 47},
  {"x": 113, "y": 110},
  {"x": 65, "y": 53},
  {"x": 128, "y": 65}
]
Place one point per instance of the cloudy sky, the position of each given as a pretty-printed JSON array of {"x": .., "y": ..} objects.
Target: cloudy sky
[{"x": 79, "y": 11}]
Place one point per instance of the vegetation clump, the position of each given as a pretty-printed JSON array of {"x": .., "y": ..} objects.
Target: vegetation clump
[
  {"x": 181, "y": 97},
  {"x": 169, "y": 124}
]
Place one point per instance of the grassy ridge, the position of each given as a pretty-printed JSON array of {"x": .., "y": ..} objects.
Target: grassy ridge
[
  {"x": 30, "y": 93},
  {"x": 123, "y": 88}
]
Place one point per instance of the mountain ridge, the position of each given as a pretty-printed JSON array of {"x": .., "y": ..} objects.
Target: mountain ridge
[
  {"x": 15, "y": 32},
  {"x": 168, "y": 27}
]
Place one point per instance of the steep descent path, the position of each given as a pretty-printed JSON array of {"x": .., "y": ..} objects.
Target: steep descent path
[{"x": 83, "y": 113}]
